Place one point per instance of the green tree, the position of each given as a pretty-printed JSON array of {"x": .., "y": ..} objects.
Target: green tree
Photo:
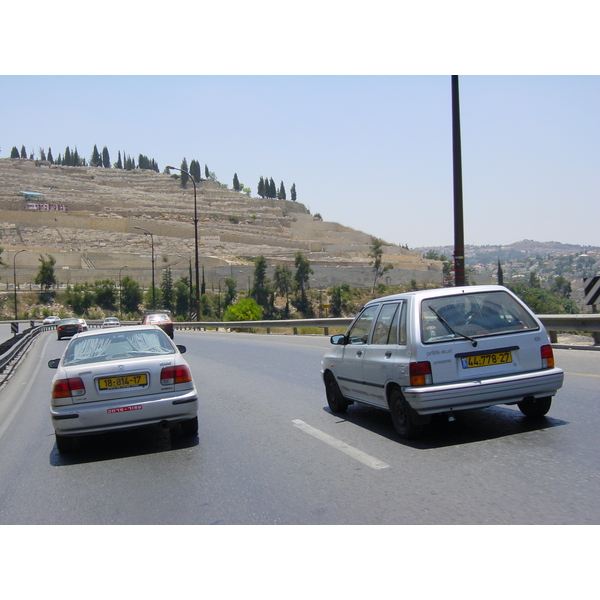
[
  {"x": 80, "y": 298},
  {"x": 283, "y": 286},
  {"x": 377, "y": 255},
  {"x": 131, "y": 295},
  {"x": 105, "y": 158},
  {"x": 195, "y": 171},
  {"x": 95, "y": 159},
  {"x": 105, "y": 293},
  {"x": 260, "y": 284},
  {"x": 281, "y": 192},
  {"x": 244, "y": 310},
  {"x": 261, "y": 187},
  {"x": 184, "y": 175},
  {"x": 230, "y": 291},
  {"x": 23, "y": 152},
  {"x": 293, "y": 192},
  {"x": 119, "y": 163},
  {"x": 166, "y": 289},
  {"x": 236, "y": 183},
  {"x": 336, "y": 301},
  {"x": 561, "y": 287},
  {"x": 14, "y": 153},
  {"x": 500, "y": 274},
  {"x": 301, "y": 279},
  {"x": 182, "y": 296},
  {"x": 45, "y": 277}
]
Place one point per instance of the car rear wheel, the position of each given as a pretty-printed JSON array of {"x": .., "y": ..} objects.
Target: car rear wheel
[
  {"x": 535, "y": 407},
  {"x": 335, "y": 399},
  {"x": 65, "y": 443},
  {"x": 190, "y": 427},
  {"x": 403, "y": 416}
]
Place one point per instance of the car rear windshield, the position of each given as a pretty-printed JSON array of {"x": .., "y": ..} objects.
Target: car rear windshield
[
  {"x": 117, "y": 346},
  {"x": 473, "y": 315}
]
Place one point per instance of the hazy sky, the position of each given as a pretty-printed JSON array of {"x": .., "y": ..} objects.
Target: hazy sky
[{"x": 373, "y": 152}]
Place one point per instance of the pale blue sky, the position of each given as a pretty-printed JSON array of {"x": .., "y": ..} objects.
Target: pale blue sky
[{"x": 373, "y": 152}]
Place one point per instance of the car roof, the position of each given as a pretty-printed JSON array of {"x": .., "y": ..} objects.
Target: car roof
[{"x": 439, "y": 292}]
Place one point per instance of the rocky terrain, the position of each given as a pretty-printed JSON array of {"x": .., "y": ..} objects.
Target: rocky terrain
[{"x": 86, "y": 218}]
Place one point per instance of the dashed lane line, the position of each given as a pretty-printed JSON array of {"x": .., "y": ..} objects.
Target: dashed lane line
[{"x": 359, "y": 455}]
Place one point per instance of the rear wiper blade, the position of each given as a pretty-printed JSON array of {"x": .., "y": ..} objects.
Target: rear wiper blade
[{"x": 473, "y": 341}]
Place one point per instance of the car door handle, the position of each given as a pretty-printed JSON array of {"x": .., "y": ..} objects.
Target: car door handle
[
  {"x": 359, "y": 353},
  {"x": 388, "y": 354}
]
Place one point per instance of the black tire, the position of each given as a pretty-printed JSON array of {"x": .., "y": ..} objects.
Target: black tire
[
  {"x": 403, "y": 416},
  {"x": 535, "y": 407},
  {"x": 335, "y": 399},
  {"x": 64, "y": 443},
  {"x": 190, "y": 427}
]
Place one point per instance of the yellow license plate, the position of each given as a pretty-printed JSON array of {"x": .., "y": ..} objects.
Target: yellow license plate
[
  {"x": 486, "y": 360},
  {"x": 123, "y": 381}
]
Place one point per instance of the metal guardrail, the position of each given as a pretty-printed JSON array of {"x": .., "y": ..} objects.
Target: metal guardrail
[{"x": 554, "y": 323}]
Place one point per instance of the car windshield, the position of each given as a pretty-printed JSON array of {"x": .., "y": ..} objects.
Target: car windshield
[
  {"x": 117, "y": 346},
  {"x": 153, "y": 318},
  {"x": 472, "y": 315}
]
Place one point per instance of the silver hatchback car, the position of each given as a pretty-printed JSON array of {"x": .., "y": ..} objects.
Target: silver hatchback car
[
  {"x": 121, "y": 378},
  {"x": 439, "y": 351}
]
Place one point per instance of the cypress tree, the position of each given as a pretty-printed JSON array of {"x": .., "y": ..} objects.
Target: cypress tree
[
  {"x": 293, "y": 192},
  {"x": 236, "y": 183},
  {"x": 184, "y": 176},
  {"x": 14, "y": 153},
  {"x": 50, "y": 157},
  {"x": 23, "y": 152},
  {"x": 105, "y": 158}
]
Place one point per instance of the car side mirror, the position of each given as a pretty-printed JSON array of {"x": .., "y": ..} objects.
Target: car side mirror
[
  {"x": 181, "y": 348},
  {"x": 53, "y": 364},
  {"x": 338, "y": 340}
]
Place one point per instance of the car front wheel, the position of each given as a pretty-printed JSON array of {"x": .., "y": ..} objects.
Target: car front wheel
[
  {"x": 535, "y": 407},
  {"x": 403, "y": 417},
  {"x": 336, "y": 401}
]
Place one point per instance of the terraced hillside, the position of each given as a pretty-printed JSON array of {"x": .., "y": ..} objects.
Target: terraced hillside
[{"x": 90, "y": 228}]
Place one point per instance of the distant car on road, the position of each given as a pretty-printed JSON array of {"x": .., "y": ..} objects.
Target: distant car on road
[
  {"x": 68, "y": 328},
  {"x": 161, "y": 319},
  {"x": 440, "y": 351},
  {"x": 84, "y": 326},
  {"x": 119, "y": 379},
  {"x": 52, "y": 320},
  {"x": 111, "y": 322}
]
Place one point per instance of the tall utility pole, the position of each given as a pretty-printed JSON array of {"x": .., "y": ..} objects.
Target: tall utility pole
[
  {"x": 459, "y": 233},
  {"x": 195, "y": 240}
]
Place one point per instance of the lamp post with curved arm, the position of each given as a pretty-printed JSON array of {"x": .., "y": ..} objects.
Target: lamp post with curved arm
[
  {"x": 146, "y": 232},
  {"x": 15, "y": 279},
  {"x": 195, "y": 239}
]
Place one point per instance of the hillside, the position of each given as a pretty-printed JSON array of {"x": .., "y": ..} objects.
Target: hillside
[{"x": 86, "y": 217}]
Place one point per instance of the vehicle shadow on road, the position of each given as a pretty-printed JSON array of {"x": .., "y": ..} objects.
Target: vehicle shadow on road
[
  {"x": 122, "y": 444},
  {"x": 465, "y": 427}
]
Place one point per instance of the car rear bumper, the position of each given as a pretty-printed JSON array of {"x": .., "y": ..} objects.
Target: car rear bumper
[
  {"x": 97, "y": 417},
  {"x": 479, "y": 393}
]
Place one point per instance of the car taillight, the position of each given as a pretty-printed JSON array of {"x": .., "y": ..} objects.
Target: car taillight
[
  {"x": 173, "y": 375},
  {"x": 68, "y": 388},
  {"x": 547, "y": 357},
  {"x": 420, "y": 373}
]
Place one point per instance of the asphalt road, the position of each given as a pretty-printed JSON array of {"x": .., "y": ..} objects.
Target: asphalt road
[{"x": 269, "y": 451}]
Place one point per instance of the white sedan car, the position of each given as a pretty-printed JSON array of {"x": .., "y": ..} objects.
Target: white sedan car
[
  {"x": 441, "y": 351},
  {"x": 121, "y": 378}
]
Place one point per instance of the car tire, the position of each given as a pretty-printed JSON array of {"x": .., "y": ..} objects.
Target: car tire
[
  {"x": 190, "y": 427},
  {"x": 403, "y": 416},
  {"x": 336, "y": 401},
  {"x": 65, "y": 444},
  {"x": 535, "y": 407}
]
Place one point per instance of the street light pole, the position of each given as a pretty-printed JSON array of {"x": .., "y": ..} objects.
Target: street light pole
[
  {"x": 121, "y": 293},
  {"x": 195, "y": 240},
  {"x": 15, "y": 279},
  {"x": 146, "y": 232}
]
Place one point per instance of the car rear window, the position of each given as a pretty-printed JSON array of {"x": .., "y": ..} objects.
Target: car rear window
[
  {"x": 115, "y": 346},
  {"x": 473, "y": 315}
]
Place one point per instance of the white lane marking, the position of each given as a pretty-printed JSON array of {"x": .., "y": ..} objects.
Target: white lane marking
[{"x": 359, "y": 455}]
